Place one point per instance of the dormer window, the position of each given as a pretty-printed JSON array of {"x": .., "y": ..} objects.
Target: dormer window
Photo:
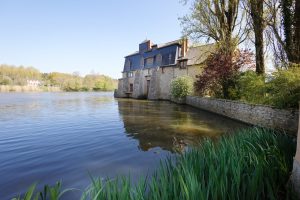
[
  {"x": 130, "y": 65},
  {"x": 148, "y": 62},
  {"x": 170, "y": 58}
]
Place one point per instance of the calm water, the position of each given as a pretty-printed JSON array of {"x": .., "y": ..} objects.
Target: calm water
[{"x": 46, "y": 137}]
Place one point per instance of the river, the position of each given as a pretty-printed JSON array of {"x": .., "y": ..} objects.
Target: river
[{"x": 46, "y": 137}]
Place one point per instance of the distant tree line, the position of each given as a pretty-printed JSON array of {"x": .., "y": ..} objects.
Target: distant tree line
[{"x": 12, "y": 75}]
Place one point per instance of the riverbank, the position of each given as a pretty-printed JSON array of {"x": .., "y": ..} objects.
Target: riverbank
[
  {"x": 255, "y": 114},
  {"x": 252, "y": 164},
  {"x": 18, "y": 88}
]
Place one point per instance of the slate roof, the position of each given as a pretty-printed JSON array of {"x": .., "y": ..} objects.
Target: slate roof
[
  {"x": 159, "y": 46},
  {"x": 169, "y": 43},
  {"x": 198, "y": 54}
]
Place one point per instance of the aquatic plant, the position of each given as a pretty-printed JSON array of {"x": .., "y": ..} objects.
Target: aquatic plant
[
  {"x": 50, "y": 192},
  {"x": 252, "y": 164}
]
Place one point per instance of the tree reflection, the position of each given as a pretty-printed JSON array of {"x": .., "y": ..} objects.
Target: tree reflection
[{"x": 170, "y": 126}]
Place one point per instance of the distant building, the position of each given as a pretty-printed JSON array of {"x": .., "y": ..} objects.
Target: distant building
[
  {"x": 34, "y": 83},
  {"x": 148, "y": 72}
]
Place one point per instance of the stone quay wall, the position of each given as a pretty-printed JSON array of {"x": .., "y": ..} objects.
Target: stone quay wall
[{"x": 260, "y": 115}]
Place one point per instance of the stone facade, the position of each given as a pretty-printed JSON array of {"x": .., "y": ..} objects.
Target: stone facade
[
  {"x": 149, "y": 72},
  {"x": 159, "y": 80},
  {"x": 265, "y": 116}
]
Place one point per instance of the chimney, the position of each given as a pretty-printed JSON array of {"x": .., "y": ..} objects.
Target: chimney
[
  {"x": 184, "y": 46},
  {"x": 149, "y": 44}
]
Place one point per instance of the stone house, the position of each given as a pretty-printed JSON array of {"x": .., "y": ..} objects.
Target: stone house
[
  {"x": 34, "y": 83},
  {"x": 147, "y": 73}
]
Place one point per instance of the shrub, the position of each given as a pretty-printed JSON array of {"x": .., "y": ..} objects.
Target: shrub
[
  {"x": 181, "y": 87},
  {"x": 284, "y": 88},
  {"x": 281, "y": 91},
  {"x": 220, "y": 72},
  {"x": 5, "y": 80},
  {"x": 250, "y": 87}
]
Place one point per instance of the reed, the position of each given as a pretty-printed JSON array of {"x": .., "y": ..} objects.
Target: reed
[{"x": 253, "y": 164}]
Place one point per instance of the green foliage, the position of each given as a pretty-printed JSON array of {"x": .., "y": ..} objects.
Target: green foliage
[
  {"x": 49, "y": 193},
  {"x": 11, "y": 75},
  {"x": 181, "y": 87},
  {"x": 250, "y": 87},
  {"x": 5, "y": 80},
  {"x": 281, "y": 91},
  {"x": 284, "y": 89},
  {"x": 251, "y": 164},
  {"x": 17, "y": 75}
]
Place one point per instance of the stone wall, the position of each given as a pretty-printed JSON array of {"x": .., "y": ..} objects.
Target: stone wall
[
  {"x": 160, "y": 80},
  {"x": 260, "y": 115},
  {"x": 154, "y": 90}
]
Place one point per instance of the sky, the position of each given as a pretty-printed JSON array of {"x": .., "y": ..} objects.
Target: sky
[{"x": 83, "y": 35}]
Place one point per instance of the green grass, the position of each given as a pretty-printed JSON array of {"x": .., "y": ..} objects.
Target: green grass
[{"x": 252, "y": 164}]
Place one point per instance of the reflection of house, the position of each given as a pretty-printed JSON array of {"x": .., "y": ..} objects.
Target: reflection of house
[
  {"x": 34, "y": 83},
  {"x": 148, "y": 72},
  {"x": 168, "y": 126}
]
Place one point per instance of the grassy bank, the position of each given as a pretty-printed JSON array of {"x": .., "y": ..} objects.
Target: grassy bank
[
  {"x": 252, "y": 164},
  {"x": 19, "y": 88}
]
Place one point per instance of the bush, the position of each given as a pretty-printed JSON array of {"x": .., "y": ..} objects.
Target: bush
[
  {"x": 250, "y": 87},
  {"x": 5, "y": 80},
  {"x": 181, "y": 87},
  {"x": 284, "y": 89},
  {"x": 221, "y": 71}
]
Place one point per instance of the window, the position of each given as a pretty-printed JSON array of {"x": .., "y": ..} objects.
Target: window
[
  {"x": 142, "y": 62},
  {"x": 148, "y": 62},
  {"x": 131, "y": 87},
  {"x": 129, "y": 74},
  {"x": 148, "y": 71},
  {"x": 168, "y": 58},
  {"x": 183, "y": 64},
  {"x": 130, "y": 65}
]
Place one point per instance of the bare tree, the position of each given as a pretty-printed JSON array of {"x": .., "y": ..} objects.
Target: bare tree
[
  {"x": 284, "y": 23},
  {"x": 256, "y": 11},
  {"x": 219, "y": 20}
]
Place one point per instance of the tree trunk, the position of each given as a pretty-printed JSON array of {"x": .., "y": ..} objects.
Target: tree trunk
[
  {"x": 257, "y": 11},
  {"x": 297, "y": 32},
  {"x": 291, "y": 28}
]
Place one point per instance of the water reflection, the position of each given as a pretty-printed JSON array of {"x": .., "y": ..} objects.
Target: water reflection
[
  {"x": 169, "y": 126},
  {"x": 45, "y": 137}
]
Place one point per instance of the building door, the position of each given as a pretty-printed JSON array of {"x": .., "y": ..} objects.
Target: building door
[
  {"x": 131, "y": 87},
  {"x": 148, "y": 86}
]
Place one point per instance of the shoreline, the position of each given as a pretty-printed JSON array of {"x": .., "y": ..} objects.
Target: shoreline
[{"x": 20, "y": 89}]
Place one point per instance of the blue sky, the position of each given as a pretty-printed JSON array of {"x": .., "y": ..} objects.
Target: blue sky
[{"x": 83, "y": 35}]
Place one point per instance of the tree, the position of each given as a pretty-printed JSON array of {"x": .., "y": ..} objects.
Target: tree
[
  {"x": 256, "y": 10},
  {"x": 221, "y": 71},
  {"x": 218, "y": 20},
  {"x": 284, "y": 22}
]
